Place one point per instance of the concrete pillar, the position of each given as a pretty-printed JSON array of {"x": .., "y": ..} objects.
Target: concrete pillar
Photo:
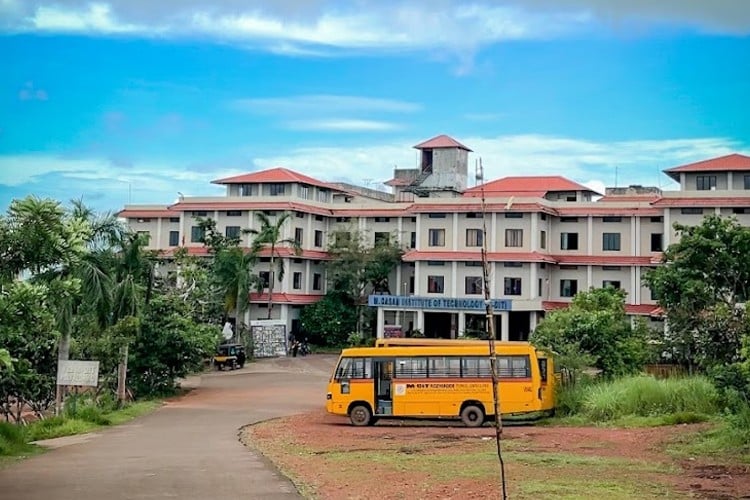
[
  {"x": 381, "y": 322},
  {"x": 455, "y": 231},
  {"x": 534, "y": 232},
  {"x": 493, "y": 233},
  {"x": 532, "y": 278},
  {"x": 419, "y": 323},
  {"x": 504, "y": 326},
  {"x": 589, "y": 276},
  {"x": 533, "y": 319},
  {"x": 454, "y": 279},
  {"x": 590, "y": 235},
  {"x": 667, "y": 229},
  {"x": 461, "y": 323}
]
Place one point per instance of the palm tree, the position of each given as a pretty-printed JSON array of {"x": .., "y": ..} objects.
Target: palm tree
[
  {"x": 270, "y": 236},
  {"x": 233, "y": 272}
]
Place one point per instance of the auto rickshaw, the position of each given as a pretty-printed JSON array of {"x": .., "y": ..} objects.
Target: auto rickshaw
[{"x": 229, "y": 355}]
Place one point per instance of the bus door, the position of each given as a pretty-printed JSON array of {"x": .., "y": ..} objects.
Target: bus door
[
  {"x": 547, "y": 387},
  {"x": 384, "y": 386}
]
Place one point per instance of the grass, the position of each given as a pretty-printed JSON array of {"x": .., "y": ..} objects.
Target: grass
[
  {"x": 728, "y": 441},
  {"x": 575, "y": 488}
]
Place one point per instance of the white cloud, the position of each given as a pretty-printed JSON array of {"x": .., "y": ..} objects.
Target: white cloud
[
  {"x": 342, "y": 125},
  {"x": 97, "y": 18},
  {"x": 323, "y": 103},
  {"x": 31, "y": 93}
]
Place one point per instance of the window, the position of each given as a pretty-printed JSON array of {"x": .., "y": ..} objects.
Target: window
[
  {"x": 246, "y": 189},
  {"x": 277, "y": 189},
  {"x": 691, "y": 211},
  {"x": 611, "y": 284},
  {"x": 514, "y": 215},
  {"x": 512, "y": 264},
  {"x": 473, "y": 285},
  {"x": 174, "y": 238},
  {"x": 513, "y": 366},
  {"x": 297, "y": 280},
  {"x": 568, "y": 241},
  {"x": 568, "y": 288},
  {"x": 705, "y": 182},
  {"x": 343, "y": 219},
  {"x": 382, "y": 219},
  {"x": 232, "y": 232},
  {"x": 350, "y": 368},
  {"x": 473, "y": 263},
  {"x": 568, "y": 267},
  {"x": 435, "y": 263},
  {"x": 318, "y": 218},
  {"x": 270, "y": 213},
  {"x": 299, "y": 215},
  {"x": 411, "y": 367},
  {"x": 444, "y": 366},
  {"x": 657, "y": 218},
  {"x": 738, "y": 210},
  {"x": 540, "y": 287},
  {"x": 435, "y": 284},
  {"x": 512, "y": 286},
  {"x": 437, "y": 237},
  {"x": 542, "y": 216},
  {"x": 234, "y": 213},
  {"x": 654, "y": 294},
  {"x": 543, "y": 240},
  {"x": 317, "y": 281},
  {"x": 297, "y": 261},
  {"x": 474, "y": 238},
  {"x": 324, "y": 195},
  {"x": 413, "y": 240},
  {"x": 475, "y": 367},
  {"x": 382, "y": 239},
  {"x": 411, "y": 284},
  {"x": 298, "y": 235},
  {"x": 542, "y": 265},
  {"x": 611, "y": 268},
  {"x": 197, "y": 234},
  {"x": 436, "y": 216},
  {"x": 611, "y": 219},
  {"x": 611, "y": 242},
  {"x": 265, "y": 278},
  {"x": 304, "y": 192},
  {"x": 200, "y": 213},
  {"x": 174, "y": 219},
  {"x": 570, "y": 197},
  {"x": 474, "y": 215},
  {"x": 747, "y": 182},
  {"x": 318, "y": 238},
  {"x": 656, "y": 242},
  {"x": 568, "y": 219},
  {"x": 514, "y": 237}
]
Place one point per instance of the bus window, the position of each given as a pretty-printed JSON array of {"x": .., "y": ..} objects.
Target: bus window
[
  {"x": 444, "y": 366},
  {"x": 473, "y": 367},
  {"x": 354, "y": 368},
  {"x": 411, "y": 367},
  {"x": 543, "y": 369}
]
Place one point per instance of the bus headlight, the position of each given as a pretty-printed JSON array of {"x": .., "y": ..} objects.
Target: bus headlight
[{"x": 329, "y": 396}]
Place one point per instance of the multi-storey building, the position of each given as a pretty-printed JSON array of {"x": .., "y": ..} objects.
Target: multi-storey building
[{"x": 547, "y": 236}]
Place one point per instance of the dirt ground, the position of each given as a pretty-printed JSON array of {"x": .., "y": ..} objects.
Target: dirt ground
[{"x": 329, "y": 459}]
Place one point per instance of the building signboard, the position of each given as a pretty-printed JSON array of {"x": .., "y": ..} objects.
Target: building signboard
[
  {"x": 78, "y": 373},
  {"x": 436, "y": 303}
]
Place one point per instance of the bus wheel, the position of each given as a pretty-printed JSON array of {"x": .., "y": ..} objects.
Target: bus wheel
[
  {"x": 360, "y": 415},
  {"x": 472, "y": 416}
]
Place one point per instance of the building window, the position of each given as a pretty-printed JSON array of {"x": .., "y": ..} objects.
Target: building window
[
  {"x": 270, "y": 213},
  {"x": 232, "y": 232},
  {"x": 568, "y": 267},
  {"x": 299, "y": 215},
  {"x": 318, "y": 238},
  {"x": 568, "y": 288},
  {"x": 611, "y": 219},
  {"x": 747, "y": 182},
  {"x": 298, "y": 235},
  {"x": 174, "y": 219},
  {"x": 317, "y": 281},
  {"x": 514, "y": 237},
  {"x": 657, "y": 218},
  {"x": 382, "y": 238},
  {"x": 343, "y": 219},
  {"x": 473, "y": 285},
  {"x": 474, "y": 238},
  {"x": 437, "y": 237},
  {"x": 705, "y": 182},
  {"x": 474, "y": 215},
  {"x": 473, "y": 263},
  {"x": 568, "y": 219},
  {"x": 656, "y": 242},
  {"x": 319, "y": 217},
  {"x": 304, "y": 192},
  {"x": 512, "y": 264},
  {"x": 297, "y": 280},
  {"x": 512, "y": 286},
  {"x": 738, "y": 210},
  {"x": 277, "y": 189},
  {"x": 514, "y": 215},
  {"x": 436, "y": 216},
  {"x": 141, "y": 219},
  {"x": 435, "y": 284},
  {"x": 542, "y": 216},
  {"x": 234, "y": 213},
  {"x": 540, "y": 287},
  {"x": 435, "y": 263},
  {"x": 611, "y": 268},
  {"x": 611, "y": 284},
  {"x": 611, "y": 242},
  {"x": 543, "y": 239},
  {"x": 542, "y": 265},
  {"x": 200, "y": 213},
  {"x": 382, "y": 219},
  {"x": 654, "y": 295},
  {"x": 246, "y": 189},
  {"x": 691, "y": 211},
  {"x": 411, "y": 284},
  {"x": 413, "y": 240},
  {"x": 568, "y": 241},
  {"x": 174, "y": 238},
  {"x": 265, "y": 278},
  {"x": 197, "y": 234}
]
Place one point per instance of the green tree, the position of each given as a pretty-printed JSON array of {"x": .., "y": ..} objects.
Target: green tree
[
  {"x": 233, "y": 272},
  {"x": 6, "y": 362},
  {"x": 702, "y": 284},
  {"x": 596, "y": 330},
  {"x": 270, "y": 235},
  {"x": 330, "y": 320}
]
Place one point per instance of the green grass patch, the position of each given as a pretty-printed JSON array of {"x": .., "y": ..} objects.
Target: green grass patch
[
  {"x": 728, "y": 440},
  {"x": 584, "y": 488}
]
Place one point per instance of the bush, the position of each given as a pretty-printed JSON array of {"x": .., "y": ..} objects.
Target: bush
[
  {"x": 12, "y": 439},
  {"x": 646, "y": 396}
]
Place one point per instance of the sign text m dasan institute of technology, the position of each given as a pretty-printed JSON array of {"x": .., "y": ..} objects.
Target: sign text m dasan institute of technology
[{"x": 461, "y": 304}]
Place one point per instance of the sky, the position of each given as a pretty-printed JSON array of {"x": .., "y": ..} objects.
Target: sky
[{"x": 133, "y": 101}]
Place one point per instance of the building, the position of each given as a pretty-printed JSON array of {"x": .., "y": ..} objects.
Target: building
[{"x": 548, "y": 237}]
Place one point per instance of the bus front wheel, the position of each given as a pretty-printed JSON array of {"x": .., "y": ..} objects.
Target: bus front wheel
[
  {"x": 472, "y": 416},
  {"x": 360, "y": 415}
]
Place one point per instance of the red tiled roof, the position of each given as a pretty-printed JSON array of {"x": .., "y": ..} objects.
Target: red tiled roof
[
  {"x": 729, "y": 163},
  {"x": 441, "y": 141},
  {"x": 398, "y": 182},
  {"x": 527, "y": 184},
  {"x": 278, "y": 174},
  {"x": 605, "y": 210},
  {"x": 736, "y": 201},
  {"x": 147, "y": 213},
  {"x": 417, "y": 255},
  {"x": 604, "y": 260},
  {"x": 285, "y": 298},
  {"x": 504, "y": 194},
  {"x": 635, "y": 309},
  {"x": 371, "y": 212},
  {"x": 629, "y": 197},
  {"x": 476, "y": 206},
  {"x": 248, "y": 205}
]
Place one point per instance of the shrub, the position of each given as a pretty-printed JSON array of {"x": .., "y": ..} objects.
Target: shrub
[{"x": 12, "y": 438}]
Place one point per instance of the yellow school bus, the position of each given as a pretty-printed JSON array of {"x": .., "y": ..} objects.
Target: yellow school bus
[{"x": 429, "y": 378}]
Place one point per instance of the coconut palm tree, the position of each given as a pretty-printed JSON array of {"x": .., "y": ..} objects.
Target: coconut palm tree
[
  {"x": 270, "y": 236},
  {"x": 233, "y": 273}
]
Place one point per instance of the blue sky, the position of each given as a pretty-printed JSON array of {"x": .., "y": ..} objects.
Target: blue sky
[{"x": 118, "y": 101}]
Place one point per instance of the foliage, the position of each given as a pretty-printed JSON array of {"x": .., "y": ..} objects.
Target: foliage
[
  {"x": 701, "y": 284},
  {"x": 232, "y": 270},
  {"x": 595, "y": 330},
  {"x": 6, "y": 362},
  {"x": 168, "y": 345},
  {"x": 329, "y": 321}
]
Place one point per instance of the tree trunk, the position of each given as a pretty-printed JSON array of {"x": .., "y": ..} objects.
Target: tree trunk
[
  {"x": 63, "y": 354},
  {"x": 122, "y": 372},
  {"x": 270, "y": 284}
]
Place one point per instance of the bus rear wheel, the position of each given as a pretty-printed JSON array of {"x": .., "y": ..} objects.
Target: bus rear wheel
[
  {"x": 360, "y": 415},
  {"x": 472, "y": 416}
]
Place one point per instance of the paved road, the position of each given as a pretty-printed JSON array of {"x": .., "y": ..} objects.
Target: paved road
[{"x": 188, "y": 449}]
